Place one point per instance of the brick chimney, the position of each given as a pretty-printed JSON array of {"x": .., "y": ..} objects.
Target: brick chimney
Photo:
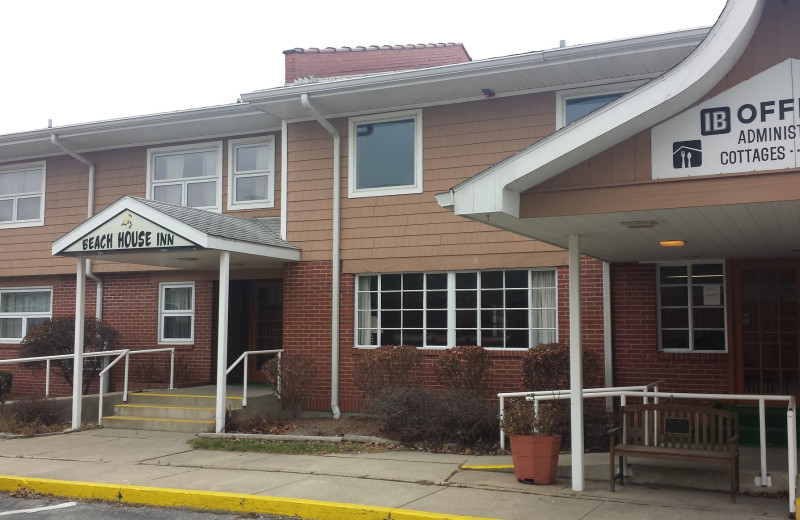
[{"x": 350, "y": 61}]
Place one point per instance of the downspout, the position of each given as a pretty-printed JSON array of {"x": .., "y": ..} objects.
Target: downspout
[
  {"x": 89, "y": 214},
  {"x": 284, "y": 176},
  {"x": 337, "y": 183}
]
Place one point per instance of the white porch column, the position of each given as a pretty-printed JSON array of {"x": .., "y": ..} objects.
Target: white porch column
[
  {"x": 222, "y": 337},
  {"x": 77, "y": 367},
  {"x": 575, "y": 362}
]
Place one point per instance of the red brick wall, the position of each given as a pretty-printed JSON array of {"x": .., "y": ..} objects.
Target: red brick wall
[
  {"x": 130, "y": 306},
  {"x": 307, "y": 306},
  {"x": 636, "y": 357},
  {"x": 324, "y": 63}
]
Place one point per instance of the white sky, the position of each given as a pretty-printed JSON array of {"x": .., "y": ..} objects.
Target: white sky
[{"x": 76, "y": 61}]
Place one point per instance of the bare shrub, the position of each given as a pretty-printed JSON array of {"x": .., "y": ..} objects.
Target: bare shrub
[
  {"x": 31, "y": 415},
  {"x": 297, "y": 375},
  {"x": 463, "y": 368},
  {"x": 386, "y": 367},
  {"x": 436, "y": 417}
]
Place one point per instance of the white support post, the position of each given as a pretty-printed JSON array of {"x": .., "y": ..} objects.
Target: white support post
[
  {"x": 608, "y": 351},
  {"x": 77, "y": 366},
  {"x": 222, "y": 337},
  {"x": 576, "y": 362}
]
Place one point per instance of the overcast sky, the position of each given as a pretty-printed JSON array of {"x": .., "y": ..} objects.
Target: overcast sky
[{"x": 77, "y": 61}]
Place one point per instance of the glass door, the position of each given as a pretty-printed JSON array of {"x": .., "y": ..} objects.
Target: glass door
[{"x": 266, "y": 323}]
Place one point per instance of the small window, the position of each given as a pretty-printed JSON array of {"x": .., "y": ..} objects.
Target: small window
[
  {"x": 22, "y": 195},
  {"x": 576, "y": 103},
  {"x": 386, "y": 154},
  {"x": 251, "y": 173},
  {"x": 23, "y": 309},
  {"x": 176, "y": 313},
  {"x": 186, "y": 176},
  {"x": 691, "y": 310}
]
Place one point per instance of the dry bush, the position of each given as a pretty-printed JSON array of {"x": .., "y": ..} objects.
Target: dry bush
[
  {"x": 463, "y": 368},
  {"x": 386, "y": 367},
  {"x": 297, "y": 376}
]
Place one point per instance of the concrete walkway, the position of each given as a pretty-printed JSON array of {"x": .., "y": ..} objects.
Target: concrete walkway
[{"x": 161, "y": 469}]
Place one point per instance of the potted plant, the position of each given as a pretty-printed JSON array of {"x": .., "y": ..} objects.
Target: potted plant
[{"x": 535, "y": 439}]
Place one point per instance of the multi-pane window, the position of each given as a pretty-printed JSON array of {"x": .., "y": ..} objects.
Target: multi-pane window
[
  {"x": 386, "y": 154},
  {"x": 691, "y": 307},
  {"x": 187, "y": 176},
  {"x": 251, "y": 173},
  {"x": 494, "y": 309},
  {"x": 176, "y": 313},
  {"x": 22, "y": 195},
  {"x": 23, "y": 309}
]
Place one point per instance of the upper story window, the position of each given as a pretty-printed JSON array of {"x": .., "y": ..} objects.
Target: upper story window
[
  {"x": 386, "y": 154},
  {"x": 573, "y": 104},
  {"x": 22, "y": 195},
  {"x": 22, "y": 309},
  {"x": 176, "y": 313},
  {"x": 251, "y": 173},
  {"x": 691, "y": 307},
  {"x": 186, "y": 175},
  {"x": 495, "y": 309}
]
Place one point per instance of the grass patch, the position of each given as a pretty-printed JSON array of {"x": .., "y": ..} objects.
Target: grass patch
[{"x": 285, "y": 447}]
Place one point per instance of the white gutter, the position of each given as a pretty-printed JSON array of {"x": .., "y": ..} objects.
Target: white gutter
[
  {"x": 335, "y": 269},
  {"x": 284, "y": 176},
  {"x": 89, "y": 214}
]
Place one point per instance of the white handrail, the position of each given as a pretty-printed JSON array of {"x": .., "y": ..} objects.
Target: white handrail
[{"x": 246, "y": 356}]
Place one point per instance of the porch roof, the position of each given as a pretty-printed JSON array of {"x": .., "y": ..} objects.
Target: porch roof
[{"x": 148, "y": 232}]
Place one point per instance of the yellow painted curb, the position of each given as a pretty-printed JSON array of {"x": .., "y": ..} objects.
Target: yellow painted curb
[
  {"x": 488, "y": 466},
  {"x": 234, "y": 502}
]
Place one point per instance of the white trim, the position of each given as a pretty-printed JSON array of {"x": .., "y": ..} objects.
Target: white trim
[
  {"x": 416, "y": 187},
  {"x": 596, "y": 90},
  {"x": 152, "y": 153},
  {"x": 26, "y": 315},
  {"x": 162, "y": 313},
  {"x": 269, "y": 202},
  {"x": 22, "y": 167}
]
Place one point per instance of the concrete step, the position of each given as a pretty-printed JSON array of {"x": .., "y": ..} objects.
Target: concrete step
[
  {"x": 169, "y": 425},
  {"x": 180, "y": 399},
  {"x": 165, "y": 411}
]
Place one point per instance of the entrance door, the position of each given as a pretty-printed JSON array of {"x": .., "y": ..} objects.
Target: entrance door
[
  {"x": 266, "y": 323},
  {"x": 766, "y": 326}
]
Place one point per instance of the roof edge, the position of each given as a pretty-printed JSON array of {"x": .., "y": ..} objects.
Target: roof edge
[{"x": 497, "y": 189}]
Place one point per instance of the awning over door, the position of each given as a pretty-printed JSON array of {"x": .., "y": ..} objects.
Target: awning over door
[{"x": 147, "y": 232}]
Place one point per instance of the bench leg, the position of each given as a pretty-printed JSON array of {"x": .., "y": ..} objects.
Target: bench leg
[{"x": 612, "y": 474}]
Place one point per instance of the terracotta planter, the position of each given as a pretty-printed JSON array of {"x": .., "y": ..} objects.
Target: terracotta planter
[{"x": 535, "y": 458}]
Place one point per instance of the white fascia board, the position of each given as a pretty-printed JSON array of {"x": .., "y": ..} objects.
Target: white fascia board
[
  {"x": 385, "y": 80},
  {"x": 497, "y": 189}
]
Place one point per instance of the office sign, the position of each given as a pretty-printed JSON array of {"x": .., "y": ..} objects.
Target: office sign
[
  {"x": 128, "y": 231},
  {"x": 750, "y": 127}
]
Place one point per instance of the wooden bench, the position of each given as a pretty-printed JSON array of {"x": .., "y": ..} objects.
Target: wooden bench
[{"x": 676, "y": 432}]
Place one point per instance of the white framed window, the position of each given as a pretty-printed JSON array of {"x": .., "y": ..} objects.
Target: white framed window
[
  {"x": 23, "y": 308},
  {"x": 573, "y": 104},
  {"x": 22, "y": 195},
  {"x": 176, "y": 313},
  {"x": 514, "y": 308},
  {"x": 691, "y": 307},
  {"x": 251, "y": 173},
  {"x": 385, "y": 154},
  {"x": 186, "y": 175}
]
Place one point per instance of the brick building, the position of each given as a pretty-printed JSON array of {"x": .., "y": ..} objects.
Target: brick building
[{"x": 327, "y": 216}]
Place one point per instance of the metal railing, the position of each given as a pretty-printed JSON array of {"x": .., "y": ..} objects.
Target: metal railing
[
  {"x": 126, "y": 354},
  {"x": 624, "y": 393},
  {"x": 120, "y": 354},
  {"x": 245, "y": 357}
]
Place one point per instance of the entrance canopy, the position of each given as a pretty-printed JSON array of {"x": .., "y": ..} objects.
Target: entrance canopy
[{"x": 147, "y": 232}]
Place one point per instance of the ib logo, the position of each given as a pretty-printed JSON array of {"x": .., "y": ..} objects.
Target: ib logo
[{"x": 714, "y": 121}]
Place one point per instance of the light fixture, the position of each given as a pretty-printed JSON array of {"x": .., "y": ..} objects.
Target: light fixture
[
  {"x": 489, "y": 93},
  {"x": 672, "y": 243},
  {"x": 639, "y": 224}
]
